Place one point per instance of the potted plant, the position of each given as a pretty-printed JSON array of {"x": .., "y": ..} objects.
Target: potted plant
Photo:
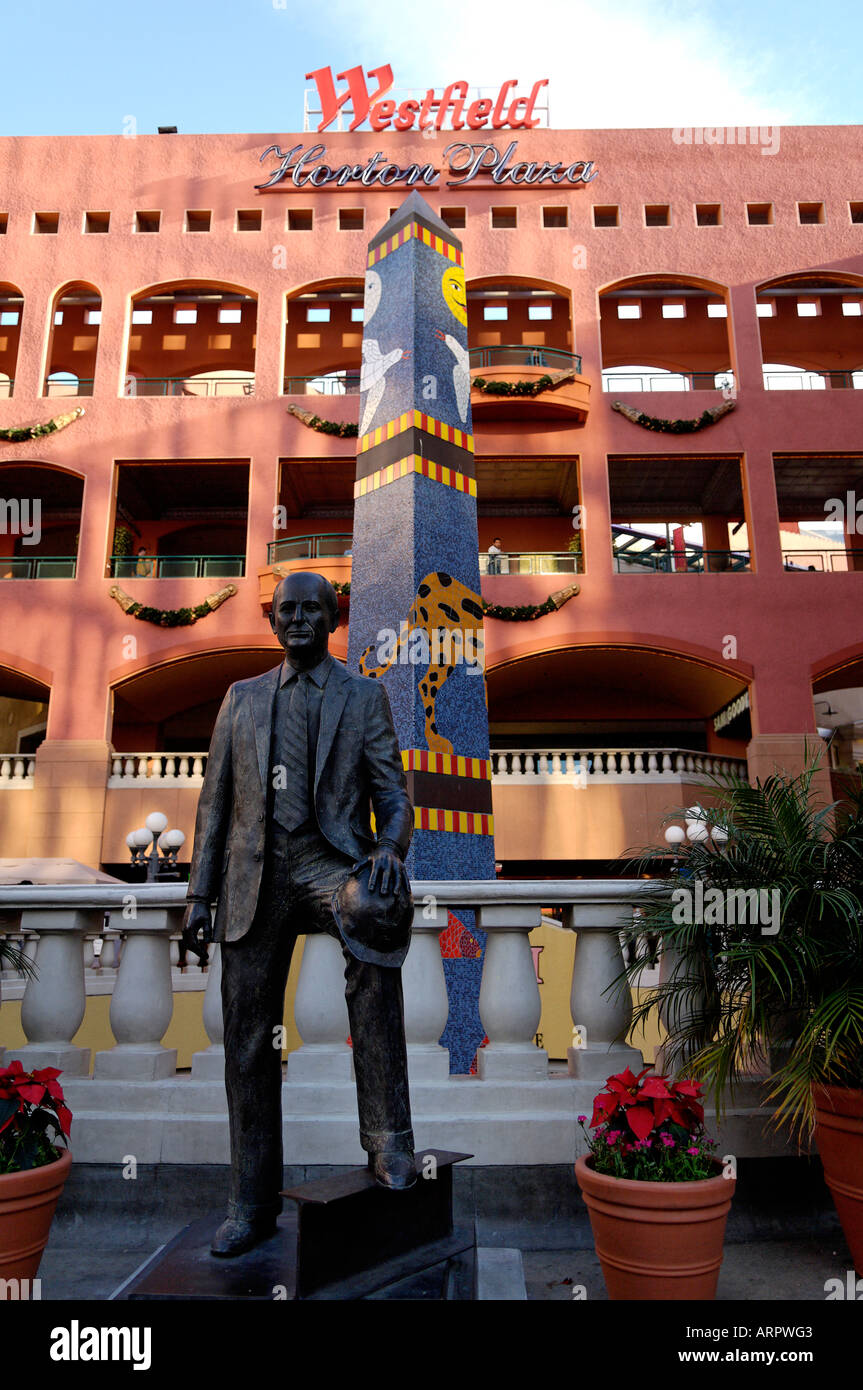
[
  {"x": 657, "y": 1196},
  {"x": 767, "y": 977},
  {"x": 33, "y": 1171}
]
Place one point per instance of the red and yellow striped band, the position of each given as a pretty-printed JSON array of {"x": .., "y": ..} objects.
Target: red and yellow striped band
[
  {"x": 421, "y": 760},
  {"x": 415, "y": 229},
  {"x": 463, "y": 822},
  {"x": 415, "y": 463},
  {"x": 415, "y": 419}
]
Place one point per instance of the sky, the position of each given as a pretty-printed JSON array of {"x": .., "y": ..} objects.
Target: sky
[{"x": 74, "y": 67}]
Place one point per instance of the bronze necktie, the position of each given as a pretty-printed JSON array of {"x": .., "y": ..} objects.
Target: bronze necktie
[{"x": 294, "y": 798}]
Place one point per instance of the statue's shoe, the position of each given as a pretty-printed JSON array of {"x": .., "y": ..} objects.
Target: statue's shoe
[
  {"x": 396, "y": 1170},
  {"x": 239, "y": 1234}
]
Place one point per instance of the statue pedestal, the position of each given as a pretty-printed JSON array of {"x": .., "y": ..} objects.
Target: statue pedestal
[{"x": 344, "y": 1239}]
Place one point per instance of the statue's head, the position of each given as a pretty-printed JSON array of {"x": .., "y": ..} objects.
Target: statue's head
[{"x": 305, "y": 611}]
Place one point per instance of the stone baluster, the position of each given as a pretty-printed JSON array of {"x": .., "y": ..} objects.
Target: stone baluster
[
  {"x": 666, "y": 763},
  {"x": 509, "y": 999},
  {"x": 626, "y": 765},
  {"x": 600, "y": 1021},
  {"x": 209, "y": 1064},
  {"x": 184, "y": 767},
  {"x": 652, "y": 765},
  {"x": 426, "y": 1002},
  {"x": 515, "y": 765},
  {"x": 54, "y": 1000},
  {"x": 142, "y": 768},
  {"x": 530, "y": 767},
  {"x": 555, "y": 765},
  {"x": 143, "y": 1002},
  {"x": 197, "y": 767},
  {"x": 321, "y": 1015},
  {"x": 5, "y": 769}
]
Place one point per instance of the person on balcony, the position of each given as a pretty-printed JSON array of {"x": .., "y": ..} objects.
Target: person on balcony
[
  {"x": 494, "y": 556},
  {"x": 144, "y": 566},
  {"x": 299, "y": 758}
]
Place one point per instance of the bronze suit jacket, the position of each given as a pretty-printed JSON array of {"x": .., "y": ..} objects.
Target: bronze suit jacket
[{"x": 358, "y": 767}]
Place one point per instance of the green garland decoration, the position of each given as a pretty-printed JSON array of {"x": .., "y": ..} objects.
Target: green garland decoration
[
  {"x": 654, "y": 422},
  {"x": 23, "y": 432},
  {"x": 343, "y": 428},
  {"x": 171, "y": 617},
  {"x": 525, "y": 614},
  {"x": 514, "y": 388}
]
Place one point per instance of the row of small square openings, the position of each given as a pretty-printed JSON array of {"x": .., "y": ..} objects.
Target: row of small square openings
[
  {"x": 710, "y": 214},
  {"x": 501, "y": 218},
  {"x": 807, "y": 306},
  {"x": 671, "y": 309}
]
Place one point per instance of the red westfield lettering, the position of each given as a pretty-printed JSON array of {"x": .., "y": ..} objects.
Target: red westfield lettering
[{"x": 506, "y": 110}]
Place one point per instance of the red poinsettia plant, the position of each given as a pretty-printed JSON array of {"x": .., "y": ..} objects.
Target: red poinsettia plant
[
  {"x": 649, "y": 1128},
  {"x": 33, "y": 1115}
]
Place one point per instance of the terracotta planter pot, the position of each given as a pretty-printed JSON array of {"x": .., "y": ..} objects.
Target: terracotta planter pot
[
  {"x": 27, "y": 1202},
  {"x": 839, "y": 1136},
  {"x": 657, "y": 1240}
]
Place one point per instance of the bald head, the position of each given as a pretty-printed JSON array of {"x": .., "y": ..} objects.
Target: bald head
[{"x": 305, "y": 611}]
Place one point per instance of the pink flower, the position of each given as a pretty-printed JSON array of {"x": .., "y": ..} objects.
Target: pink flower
[
  {"x": 581, "y": 1119},
  {"x": 693, "y": 1151},
  {"x": 667, "y": 1141}
]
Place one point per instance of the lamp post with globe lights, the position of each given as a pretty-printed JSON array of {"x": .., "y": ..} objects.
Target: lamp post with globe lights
[{"x": 155, "y": 834}]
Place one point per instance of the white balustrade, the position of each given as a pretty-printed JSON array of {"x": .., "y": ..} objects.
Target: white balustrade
[
  {"x": 600, "y": 1019},
  {"x": 142, "y": 1003},
  {"x": 509, "y": 1003},
  {"x": 55, "y": 999},
  {"x": 607, "y": 765},
  {"x": 16, "y": 772},
  {"x": 152, "y": 769},
  {"x": 321, "y": 1015},
  {"x": 209, "y": 1065},
  {"x": 425, "y": 996}
]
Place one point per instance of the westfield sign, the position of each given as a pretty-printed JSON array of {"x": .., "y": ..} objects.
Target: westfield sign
[{"x": 506, "y": 111}]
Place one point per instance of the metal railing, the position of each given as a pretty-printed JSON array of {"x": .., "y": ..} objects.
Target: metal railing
[
  {"x": 347, "y": 385},
  {"x": 177, "y": 566},
  {"x": 812, "y": 381},
  {"x": 309, "y": 547},
  {"x": 83, "y": 387},
  {"x": 668, "y": 381},
  {"x": 531, "y": 562},
  {"x": 38, "y": 567},
  {"x": 7, "y": 386},
  {"x": 823, "y": 561},
  {"x": 188, "y": 386},
  {"x": 525, "y": 355},
  {"x": 692, "y": 560}
]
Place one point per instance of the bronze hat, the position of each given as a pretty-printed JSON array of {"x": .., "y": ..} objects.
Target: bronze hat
[{"x": 375, "y": 926}]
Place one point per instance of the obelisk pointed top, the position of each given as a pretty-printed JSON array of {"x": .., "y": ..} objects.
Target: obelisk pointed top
[{"x": 415, "y": 209}]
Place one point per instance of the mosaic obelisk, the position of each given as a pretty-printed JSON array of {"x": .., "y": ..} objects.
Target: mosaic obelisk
[{"x": 416, "y": 615}]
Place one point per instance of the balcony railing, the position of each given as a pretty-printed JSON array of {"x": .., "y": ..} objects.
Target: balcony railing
[
  {"x": 182, "y": 1119},
  {"x": 692, "y": 560},
  {"x": 83, "y": 387},
  {"x": 157, "y": 769},
  {"x": 188, "y": 386},
  {"x": 668, "y": 381},
  {"x": 823, "y": 561},
  {"x": 347, "y": 385},
  {"x": 177, "y": 566},
  {"x": 309, "y": 547},
  {"x": 512, "y": 765},
  {"x": 812, "y": 381},
  {"x": 38, "y": 567},
  {"x": 606, "y": 765},
  {"x": 7, "y": 386},
  {"x": 16, "y": 771},
  {"x": 531, "y": 562},
  {"x": 524, "y": 355}
]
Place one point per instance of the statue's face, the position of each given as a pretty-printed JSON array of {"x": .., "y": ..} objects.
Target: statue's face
[{"x": 301, "y": 618}]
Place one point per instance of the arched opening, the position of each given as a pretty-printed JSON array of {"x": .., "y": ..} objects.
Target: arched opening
[
  {"x": 192, "y": 338},
  {"x": 11, "y": 314},
  {"x": 665, "y": 333},
  {"x": 514, "y": 320},
  {"x": 23, "y": 719},
  {"x": 323, "y": 339},
  {"x": 592, "y": 746},
  {"x": 76, "y": 317},
  {"x": 837, "y": 693},
  {"x": 39, "y": 539},
  {"x": 811, "y": 330}
]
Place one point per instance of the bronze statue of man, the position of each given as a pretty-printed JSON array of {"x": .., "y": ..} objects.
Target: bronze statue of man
[{"x": 298, "y": 759}]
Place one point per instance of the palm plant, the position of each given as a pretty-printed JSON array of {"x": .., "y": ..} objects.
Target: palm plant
[{"x": 789, "y": 991}]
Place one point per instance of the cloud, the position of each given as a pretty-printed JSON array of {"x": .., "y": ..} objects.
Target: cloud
[{"x": 634, "y": 64}]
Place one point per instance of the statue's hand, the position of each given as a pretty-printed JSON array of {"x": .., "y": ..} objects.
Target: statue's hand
[
  {"x": 387, "y": 869},
  {"x": 197, "y": 929}
]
